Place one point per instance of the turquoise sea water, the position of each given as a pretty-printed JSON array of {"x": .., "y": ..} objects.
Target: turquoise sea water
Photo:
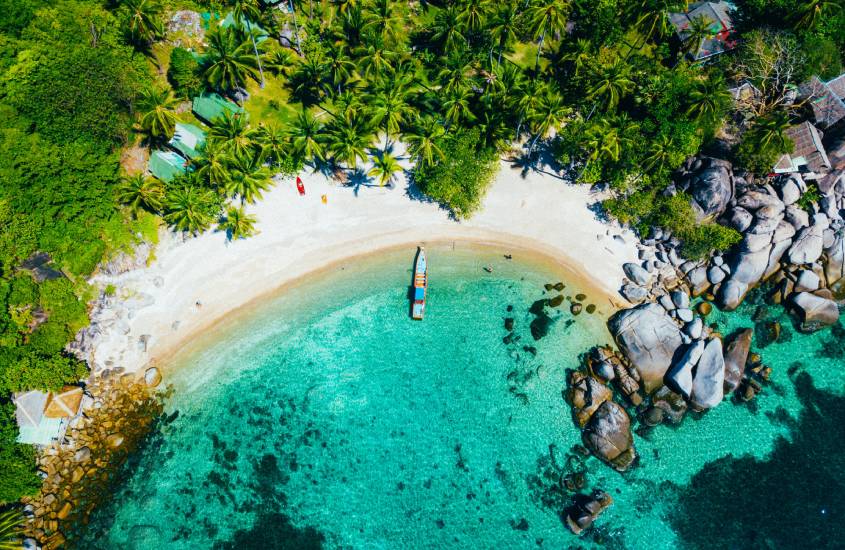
[{"x": 327, "y": 418}]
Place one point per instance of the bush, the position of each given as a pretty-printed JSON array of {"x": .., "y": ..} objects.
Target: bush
[
  {"x": 183, "y": 73},
  {"x": 756, "y": 157},
  {"x": 646, "y": 209},
  {"x": 17, "y": 462},
  {"x": 460, "y": 181}
]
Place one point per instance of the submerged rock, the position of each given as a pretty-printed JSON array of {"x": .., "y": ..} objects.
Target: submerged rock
[
  {"x": 649, "y": 339},
  {"x": 736, "y": 356},
  {"x": 608, "y": 436},
  {"x": 585, "y": 509},
  {"x": 670, "y": 403}
]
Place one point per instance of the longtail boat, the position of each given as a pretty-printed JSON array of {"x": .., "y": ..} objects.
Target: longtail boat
[{"x": 420, "y": 283}]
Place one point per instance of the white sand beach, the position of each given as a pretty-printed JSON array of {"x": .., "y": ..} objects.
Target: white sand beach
[{"x": 300, "y": 234}]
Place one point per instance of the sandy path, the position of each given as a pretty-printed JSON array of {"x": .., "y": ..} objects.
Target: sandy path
[{"x": 300, "y": 234}]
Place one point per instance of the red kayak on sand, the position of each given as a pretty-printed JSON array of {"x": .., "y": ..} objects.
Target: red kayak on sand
[{"x": 299, "y": 186}]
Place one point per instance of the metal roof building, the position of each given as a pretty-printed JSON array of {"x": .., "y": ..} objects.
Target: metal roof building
[
  {"x": 211, "y": 106},
  {"x": 808, "y": 157},
  {"x": 188, "y": 139},
  {"x": 722, "y": 35},
  {"x": 166, "y": 165}
]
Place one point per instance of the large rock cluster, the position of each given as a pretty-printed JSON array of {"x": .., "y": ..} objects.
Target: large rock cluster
[
  {"x": 606, "y": 427},
  {"x": 668, "y": 344},
  {"x": 801, "y": 251},
  {"x": 118, "y": 412}
]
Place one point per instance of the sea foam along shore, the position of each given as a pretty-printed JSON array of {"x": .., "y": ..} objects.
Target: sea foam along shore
[{"x": 192, "y": 283}]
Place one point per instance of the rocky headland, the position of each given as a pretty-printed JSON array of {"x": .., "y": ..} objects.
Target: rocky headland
[
  {"x": 669, "y": 360},
  {"x": 79, "y": 472}
]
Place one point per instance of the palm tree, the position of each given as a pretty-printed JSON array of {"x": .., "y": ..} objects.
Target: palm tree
[
  {"x": 305, "y": 141},
  {"x": 307, "y": 80},
  {"x": 274, "y": 142},
  {"x": 384, "y": 168},
  {"x": 493, "y": 126},
  {"x": 243, "y": 11},
  {"x": 339, "y": 67},
  {"x": 504, "y": 26},
  {"x": 810, "y": 11},
  {"x": 212, "y": 166},
  {"x": 349, "y": 140},
  {"x": 603, "y": 141},
  {"x": 550, "y": 113},
  {"x": 390, "y": 109},
  {"x": 374, "y": 61},
  {"x": 456, "y": 107},
  {"x": 345, "y": 5},
  {"x": 233, "y": 134},
  {"x": 699, "y": 30},
  {"x": 580, "y": 56},
  {"x": 652, "y": 16},
  {"x": 526, "y": 104},
  {"x": 447, "y": 29},
  {"x": 511, "y": 82},
  {"x": 472, "y": 15},
  {"x": 422, "y": 139},
  {"x": 771, "y": 130},
  {"x": 352, "y": 28},
  {"x": 191, "y": 208},
  {"x": 248, "y": 178},
  {"x": 144, "y": 21},
  {"x": 281, "y": 62},
  {"x": 547, "y": 17},
  {"x": 12, "y": 525},
  {"x": 139, "y": 192},
  {"x": 709, "y": 98},
  {"x": 229, "y": 61},
  {"x": 158, "y": 119},
  {"x": 454, "y": 76},
  {"x": 613, "y": 83},
  {"x": 237, "y": 223},
  {"x": 660, "y": 153},
  {"x": 605, "y": 138},
  {"x": 382, "y": 20}
]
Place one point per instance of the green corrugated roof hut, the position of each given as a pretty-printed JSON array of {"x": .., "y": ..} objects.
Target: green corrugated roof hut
[
  {"x": 211, "y": 106},
  {"x": 166, "y": 165},
  {"x": 188, "y": 139}
]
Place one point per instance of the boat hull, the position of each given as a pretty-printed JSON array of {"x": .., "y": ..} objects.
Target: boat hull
[{"x": 420, "y": 286}]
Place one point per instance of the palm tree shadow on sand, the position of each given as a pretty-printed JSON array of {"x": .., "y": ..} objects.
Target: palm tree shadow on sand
[{"x": 539, "y": 160}]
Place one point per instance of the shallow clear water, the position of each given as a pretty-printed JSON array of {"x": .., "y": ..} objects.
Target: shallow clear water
[{"x": 327, "y": 416}]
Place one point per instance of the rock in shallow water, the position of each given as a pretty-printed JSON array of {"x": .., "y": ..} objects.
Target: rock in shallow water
[
  {"x": 608, "y": 436},
  {"x": 815, "y": 312},
  {"x": 708, "y": 382},
  {"x": 649, "y": 339},
  {"x": 679, "y": 377},
  {"x": 585, "y": 509},
  {"x": 736, "y": 355},
  {"x": 585, "y": 394}
]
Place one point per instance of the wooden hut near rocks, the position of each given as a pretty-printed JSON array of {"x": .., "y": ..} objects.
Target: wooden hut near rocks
[
  {"x": 808, "y": 157},
  {"x": 43, "y": 417}
]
